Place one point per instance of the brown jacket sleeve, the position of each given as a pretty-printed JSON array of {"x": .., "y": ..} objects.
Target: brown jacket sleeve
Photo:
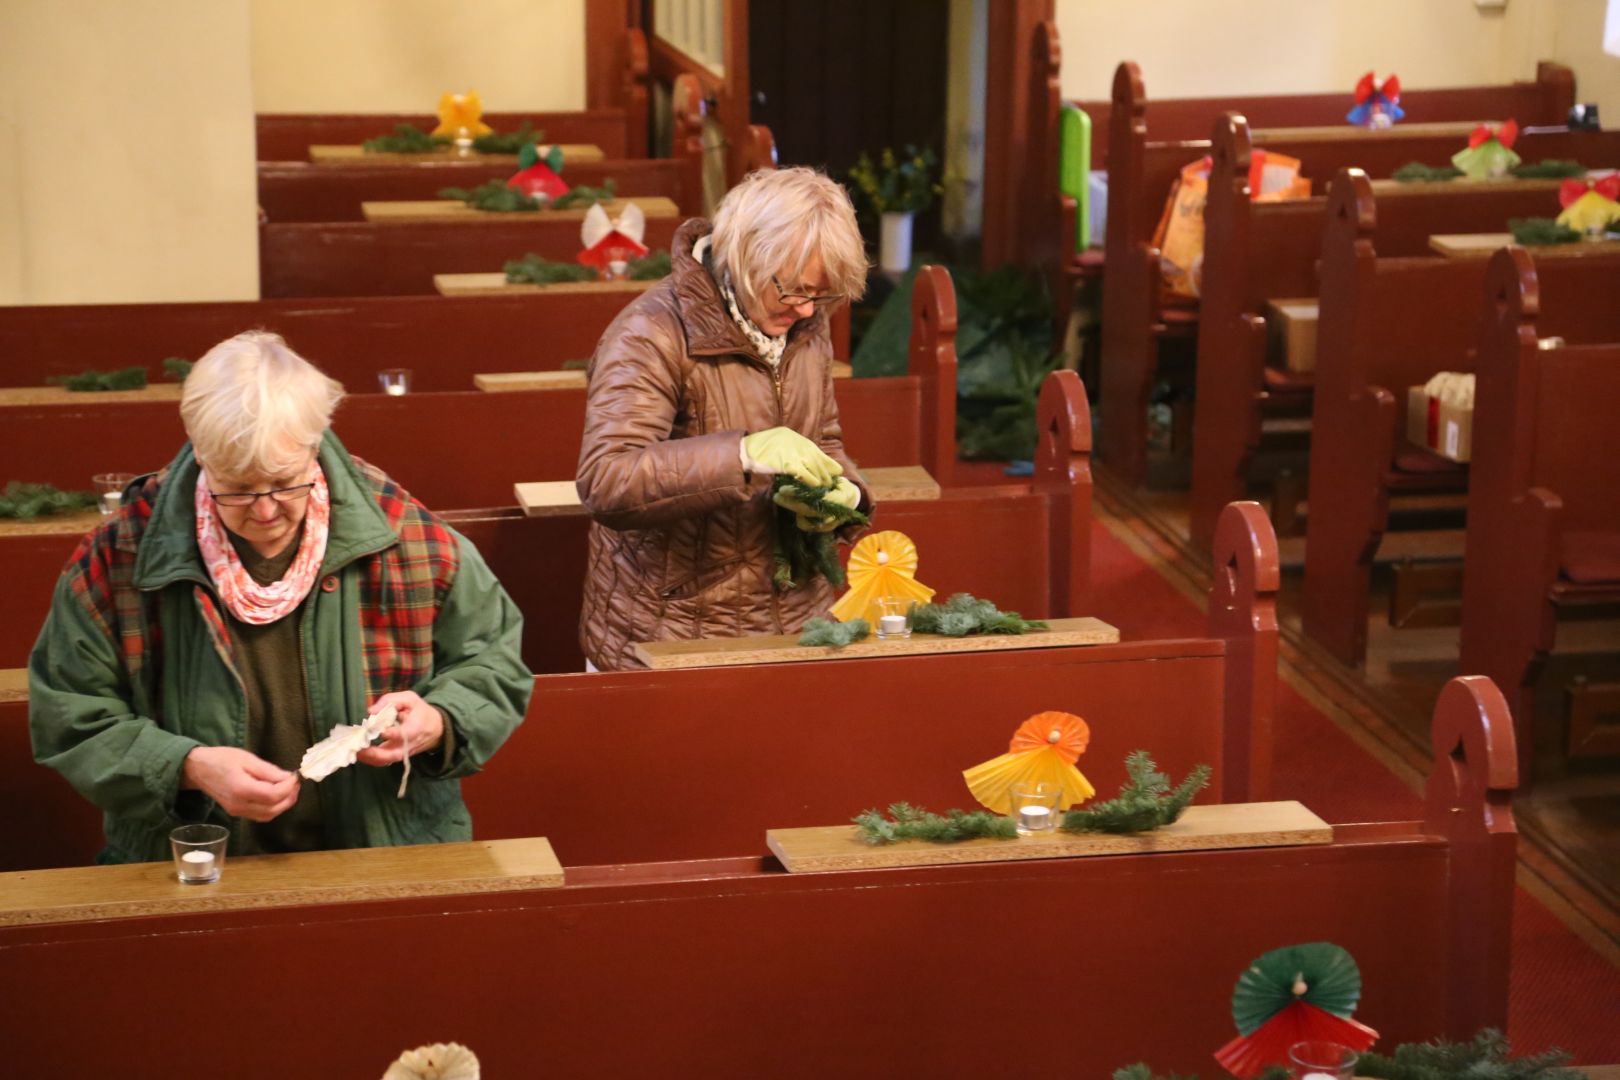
[{"x": 632, "y": 475}]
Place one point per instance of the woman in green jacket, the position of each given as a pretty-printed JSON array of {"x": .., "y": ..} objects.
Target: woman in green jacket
[{"x": 263, "y": 588}]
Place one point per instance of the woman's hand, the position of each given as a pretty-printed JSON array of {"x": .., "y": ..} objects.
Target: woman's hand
[
  {"x": 420, "y": 728},
  {"x": 783, "y": 450},
  {"x": 243, "y": 784}
]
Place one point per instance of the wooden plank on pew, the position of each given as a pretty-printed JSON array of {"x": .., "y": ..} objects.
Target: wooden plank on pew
[
  {"x": 785, "y": 648},
  {"x": 354, "y": 154},
  {"x": 495, "y": 284},
  {"x": 1346, "y": 133},
  {"x": 497, "y": 382},
  {"x": 410, "y": 211},
  {"x": 136, "y": 890},
  {"x": 58, "y": 395},
  {"x": 1484, "y": 245},
  {"x": 898, "y": 483},
  {"x": 72, "y": 524},
  {"x": 1417, "y": 545},
  {"x": 1200, "y": 828},
  {"x": 13, "y": 684}
]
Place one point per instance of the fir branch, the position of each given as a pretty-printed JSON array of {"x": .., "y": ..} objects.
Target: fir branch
[
  {"x": 1141, "y": 1071},
  {"x": 176, "y": 368},
  {"x": 585, "y": 195},
  {"x": 533, "y": 270},
  {"x": 493, "y": 196},
  {"x": 576, "y": 365},
  {"x": 907, "y": 822},
  {"x": 801, "y": 555},
  {"x": 965, "y": 614},
  {"x": 406, "y": 139},
  {"x": 834, "y": 634},
  {"x": 92, "y": 381},
  {"x": 1549, "y": 169},
  {"x": 1415, "y": 172},
  {"x": 510, "y": 143},
  {"x": 1144, "y": 803},
  {"x": 1532, "y": 232},
  {"x": 25, "y": 502}
]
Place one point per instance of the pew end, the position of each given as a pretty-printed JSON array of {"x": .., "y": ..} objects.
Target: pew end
[
  {"x": 1243, "y": 612},
  {"x": 932, "y": 360},
  {"x": 1063, "y": 472}
]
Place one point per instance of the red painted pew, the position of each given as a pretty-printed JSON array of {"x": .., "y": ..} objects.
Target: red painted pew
[
  {"x": 733, "y": 967},
  {"x": 1544, "y": 495}
]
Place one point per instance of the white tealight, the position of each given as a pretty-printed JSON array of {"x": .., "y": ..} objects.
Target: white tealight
[
  {"x": 394, "y": 390},
  {"x": 1034, "y": 818},
  {"x": 1319, "y": 1076},
  {"x": 198, "y": 866},
  {"x": 892, "y": 624}
]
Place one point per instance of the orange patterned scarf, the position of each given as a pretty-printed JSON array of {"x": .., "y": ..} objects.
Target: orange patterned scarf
[{"x": 245, "y": 598}]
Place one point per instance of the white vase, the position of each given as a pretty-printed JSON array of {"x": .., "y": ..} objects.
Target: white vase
[{"x": 895, "y": 253}]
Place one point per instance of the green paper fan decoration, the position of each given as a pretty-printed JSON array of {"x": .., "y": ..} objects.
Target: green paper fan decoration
[{"x": 1331, "y": 981}]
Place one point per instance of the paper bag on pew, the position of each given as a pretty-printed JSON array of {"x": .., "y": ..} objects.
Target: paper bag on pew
[
  {"x": 1440, "y": 415},
  {"x": 1180, "y": 233}
]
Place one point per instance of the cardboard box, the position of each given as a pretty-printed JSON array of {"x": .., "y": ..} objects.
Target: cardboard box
[
  {"x": 1291, "y": 332},
  {"x": 1448, "y": 430}
]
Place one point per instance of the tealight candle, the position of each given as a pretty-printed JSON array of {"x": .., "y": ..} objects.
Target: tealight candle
[
  {"x": 1034, "y": 818},
  {"x": 198, "y": 866},
  {"x": 892, "y": 624},
  {"x": 394, "y": 390},
  {"x": 1318, "y": 1076},
  {"x": 110, "y": 501}
]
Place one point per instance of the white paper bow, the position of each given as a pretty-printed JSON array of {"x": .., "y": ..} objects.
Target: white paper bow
[{"x": 631, "y": 223}]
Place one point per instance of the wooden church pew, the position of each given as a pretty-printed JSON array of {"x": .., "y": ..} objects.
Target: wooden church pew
[
  {"x": 1544, "y": 495},
  {"x": 721, "y": 966},
  {"x": 1388, "y": 324},
  {"x": 1254, "y": 252}
]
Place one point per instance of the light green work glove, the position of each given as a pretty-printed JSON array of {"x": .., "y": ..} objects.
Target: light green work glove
[
  {"x": 783, "y": 450},
  {"x": 843, "y": 494}
]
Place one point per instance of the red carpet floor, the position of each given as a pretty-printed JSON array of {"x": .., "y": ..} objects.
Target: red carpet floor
[{"x": 1563, "y": 993}]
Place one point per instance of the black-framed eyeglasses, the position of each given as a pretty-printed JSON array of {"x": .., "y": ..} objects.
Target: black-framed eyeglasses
[
  {"x": 248, "y": 498},
  {"x": 796, "y": 300}
]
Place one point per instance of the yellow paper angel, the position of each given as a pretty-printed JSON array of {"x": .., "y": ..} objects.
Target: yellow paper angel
[
  {"x": 1043, "y": 750},
  {"x": 461, "y": 111},
  {"x": 1591, "y": 209},
  {"x": 883, "y": 564}
]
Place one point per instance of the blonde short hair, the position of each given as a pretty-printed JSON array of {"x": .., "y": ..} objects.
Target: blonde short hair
[
  {"x": 775, "y": 220},
  {"x": 253, "y": 407}
]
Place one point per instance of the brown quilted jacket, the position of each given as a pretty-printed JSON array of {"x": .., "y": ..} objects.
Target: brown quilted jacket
[{"x": 682, "y": 540}]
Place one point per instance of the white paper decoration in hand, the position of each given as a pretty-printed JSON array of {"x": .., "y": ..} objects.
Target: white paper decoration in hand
[
  {"x": 441, "y": 1061},
  {"x": 340, "y": 749}
]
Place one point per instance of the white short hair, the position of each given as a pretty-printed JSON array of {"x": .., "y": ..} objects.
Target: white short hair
[
  {"x": 253, "y": 407},
  {"x": 771, "y": 224}
]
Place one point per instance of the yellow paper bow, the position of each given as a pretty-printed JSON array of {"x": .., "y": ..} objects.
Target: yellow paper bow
[
  {"x": 457, "y": 111},
  {"x": 1591, "y": 213},
  {"x": 1043, "y": 750},
  {"x": 882, "y": 565}
]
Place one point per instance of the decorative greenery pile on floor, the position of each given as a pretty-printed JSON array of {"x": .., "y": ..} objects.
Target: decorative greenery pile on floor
[
  {"x": 801, "y": 555},
  {"x": 1540, "y": 231},
  {"x": 1144, "y": 803},
  {"x": 405, "y": 139},
  {"x": 1415, "y": 172},
  {"x": 92, "y": 381},
  {"x": 907, "y": 822},
  {"x": 831, "y": 633},
  {"x": 965, "y": 614},
  {"x": 534, "y": 270},
  {"x": 25, "y": 502},
  {"x": 1487, "y": 1057}
]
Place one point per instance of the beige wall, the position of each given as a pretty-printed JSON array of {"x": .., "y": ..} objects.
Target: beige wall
[
  {"x": 126, "y": 152},
  {"x": 1574, "y": 30},
  {"x": 400, "y": 55}
]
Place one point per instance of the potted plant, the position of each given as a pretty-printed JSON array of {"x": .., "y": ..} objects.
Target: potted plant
[{"x": 897, "y": 188}]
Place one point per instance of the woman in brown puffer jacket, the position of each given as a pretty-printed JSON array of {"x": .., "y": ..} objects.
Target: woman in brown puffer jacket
[{"x": 701, "y": 391}]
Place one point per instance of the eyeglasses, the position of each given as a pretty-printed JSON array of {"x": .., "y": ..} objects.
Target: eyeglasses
[
  {"x": 248, "y": 498},
  {"x": 796, "y": 300}
]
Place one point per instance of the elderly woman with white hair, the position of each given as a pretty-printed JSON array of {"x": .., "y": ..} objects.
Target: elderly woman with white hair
[
  {"x": 261, "y": 589},
  {"x": 701, "y": 392}
]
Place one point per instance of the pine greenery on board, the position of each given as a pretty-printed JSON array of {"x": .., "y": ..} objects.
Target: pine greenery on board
[
  {"x": 511, "y": 142},
  {"x": 494, "y": 196},
  {"x": 907, "y": 822},
  {"x": 1540, "y": 231},
  {"x": 1487, "y": 1057},
  {"x": 405, "y": 139},
  {"x": 585, "y": 195},
  {"x": 1415, "y": 172},
  {"x": 1145, "y": 802},
  {"x": 801, "y": 555},
  {"x": 655, "y": 267},
  {"x": 176, "y": 368},
  {"x": 965, "y": 614},
  {"x": 534, "y": 270},
  {"x": 832, "y": 634},
  {"x": 25, "y": 502},
  {"x": 130, "y": 378}
]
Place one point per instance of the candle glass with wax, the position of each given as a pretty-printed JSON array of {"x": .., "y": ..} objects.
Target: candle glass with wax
[
  {"x": 894, "y": 618},
  {"x": 110, "y": 487},
  {"x": 1321, "y": 1061},
  {"x": 394, "y": 381},
  {"x": 199, "y": 853},
  {"x": 1034, "y": 806}
]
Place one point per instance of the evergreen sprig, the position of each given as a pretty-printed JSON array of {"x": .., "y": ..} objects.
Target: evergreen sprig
[
  {"x": 1415, "y": 172},
  {"x": 585, "y": 195},
  {"x": 800, "y": 554},
  {"x": 25, "y": 502},
  {"x": 1487, "y": 1056},
  {"x": 655, "y": 267},
  {"x": 493, "y": 196},
  {"x": 405, "y": 139},
  {"x": 511, "y": 142},
  {"x": 1144, "y": 803},
  {"x": 534, "y": 270},
  {"x": 93, "y": 381},
  {"x": 831, "y": 633},
  {"x": 965, "y": 614},
  {"x": 1549, "y": 169},
  {"x": 1540, "y": 231},
  {"x": 907, "y": 822},
  {"x": 176, "y": 368}
]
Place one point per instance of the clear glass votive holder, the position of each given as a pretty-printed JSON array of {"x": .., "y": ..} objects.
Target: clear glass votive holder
[
  {"x": 1034, "y": 807},
  {"x": 110, "y": 488},
  {"x": 394, "y": 381},
  {"x": 1322, "y": 1061},
  {"x": 894, "y": 618},
  {"x": 199, "y": 853}
]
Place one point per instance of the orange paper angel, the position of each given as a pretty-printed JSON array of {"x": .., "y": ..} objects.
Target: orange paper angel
[
  {"x": 1043, "y": 750},
  {"x": 461, "y": 112},
  {"x": 881, "y": 565}
]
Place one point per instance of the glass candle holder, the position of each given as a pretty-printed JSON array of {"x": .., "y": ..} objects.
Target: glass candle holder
[
  {"x": 894, "y": 618},
  {"x": 394, "y": 381},
  {"x": 1034, "y": 807},
  {"x": 199, "y": 853},
  {"x": 1322, "y": 1061},
  {"x": 110, "y": 487}
]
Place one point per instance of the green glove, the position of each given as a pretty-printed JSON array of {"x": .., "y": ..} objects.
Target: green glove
[
  {"x": 783, "y": 450},
  {"x": 843, "y": 494}
]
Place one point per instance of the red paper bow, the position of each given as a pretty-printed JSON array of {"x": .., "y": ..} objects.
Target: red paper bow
[
  {"x": 1507, "y": 135},
  {"x": 1367, "y": 87},
  {"x": 1571, "y": 190}
]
